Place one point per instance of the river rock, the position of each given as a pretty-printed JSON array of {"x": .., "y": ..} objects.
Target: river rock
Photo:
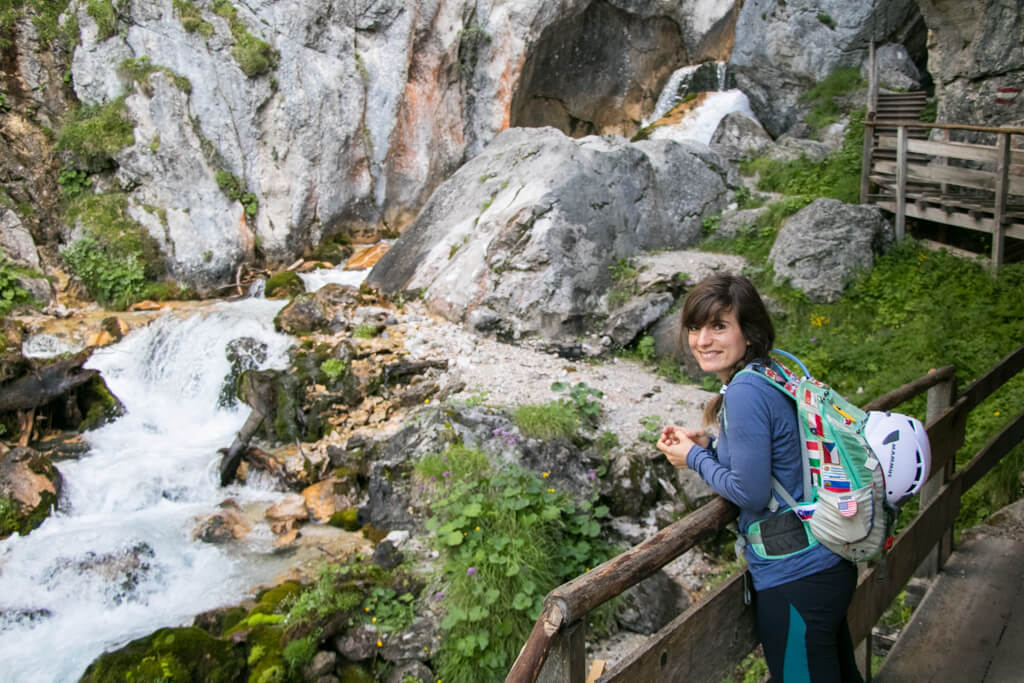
[
  {"x": 358, "y": 643},
  {"x": 418, "y": 641},
  {"x": 31, "y": 485},
  {"x": 520, "y": 241},
  {"x": 323, "y": 664},
  {"x": 225, "y": 525},
  {"x": 821, "y": 248},
  {"x": 327, "y": 497},
  {"x": 406, "y": 672},
  {"x": 287, "y": 513}
]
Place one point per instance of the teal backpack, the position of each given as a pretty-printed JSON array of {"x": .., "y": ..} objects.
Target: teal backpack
[{"x": 844, "y": 506}]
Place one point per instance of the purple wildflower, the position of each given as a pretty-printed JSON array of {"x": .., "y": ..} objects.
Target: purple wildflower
[
  {"x": 471, "y": 571},
  {"x": 591, "y": 474}
]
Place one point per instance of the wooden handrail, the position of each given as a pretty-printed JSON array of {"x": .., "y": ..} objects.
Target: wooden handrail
[
  {"x": 914, "y": 123},
  {"x": 569, "y": 603}
]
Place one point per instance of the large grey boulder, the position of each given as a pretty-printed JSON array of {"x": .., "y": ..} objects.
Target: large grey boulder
[
  {"x": 974, "y": 50},
  {"x": 783, "y": 49},
  {"x": 896, "y": 69},
  {"x": 738, "y": 136},
  {"x": 822, "y": 247},
  {"x": 522, "y": 239}
]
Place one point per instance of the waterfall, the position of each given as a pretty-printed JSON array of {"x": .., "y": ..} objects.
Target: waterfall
[{"x": 117, "y": 559}]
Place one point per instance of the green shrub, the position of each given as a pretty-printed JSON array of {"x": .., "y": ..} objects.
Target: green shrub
[
  {"x": 12, "y": 294},
  {"x": 138, "y": 70},
  {"x": 365, "y": 331},
  {"x": 10, "y": 522},
  {"x": 333, "y": 368},
  {"x": 231, "y": 186},
  {"x": 506, "y": 538},
  {"x": 73, "y": 182},
  {"x": 254, "y": 56},
  {"x": 94, "y": 134},
  {"x": 116, "y": 256},
  {"x": 102, "y": 12},
  {"x": 824, "y": 109},
  {"x": 191, "y": 18},
  {"x": 114, "y": 281}
]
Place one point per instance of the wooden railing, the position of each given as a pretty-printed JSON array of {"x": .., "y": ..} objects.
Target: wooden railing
[
  {"x": 969, "y": 184},
  {"x": 707, "y": 641}
]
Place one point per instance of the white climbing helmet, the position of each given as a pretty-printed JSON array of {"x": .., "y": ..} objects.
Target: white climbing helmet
[{"x": 901, "y": 445}]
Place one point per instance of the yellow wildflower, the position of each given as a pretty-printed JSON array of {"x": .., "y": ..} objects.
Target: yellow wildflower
[
  {"x": 545, "y": 475},
  {"x": 551, "y": 490}
]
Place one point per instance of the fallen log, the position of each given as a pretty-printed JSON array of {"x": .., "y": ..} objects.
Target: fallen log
[
  {"x": 233, "y": 454},
  {"x": 45, "y": 384}
]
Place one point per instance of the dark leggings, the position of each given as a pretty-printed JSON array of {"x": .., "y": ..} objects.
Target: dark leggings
[{"x": 802, "y": 625}]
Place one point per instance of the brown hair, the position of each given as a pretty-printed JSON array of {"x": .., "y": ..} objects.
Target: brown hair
[{"x": 725, "y": 292}]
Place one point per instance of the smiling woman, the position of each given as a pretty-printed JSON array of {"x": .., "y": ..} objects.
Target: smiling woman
[{"x": 802, "y": 588}]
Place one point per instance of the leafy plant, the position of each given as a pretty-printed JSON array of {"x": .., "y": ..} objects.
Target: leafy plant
[
  {"x": 138, "y": 70},
  {"x": 652, "y": 428},
  {"x": 546, "y": 421},
  {"x": 12, "y": 294},
  {"x": 585, "y": 400},
  {"x": 365, "y": 331},
  {"x": 506, "y": 538},
  {"x": 333, "y": 368},
  {"x": 231, "y": 186},
  {"x": 113, "y": 280},
  {"x": 94, "y": 134},
  {"x": 73, "y": 182}
]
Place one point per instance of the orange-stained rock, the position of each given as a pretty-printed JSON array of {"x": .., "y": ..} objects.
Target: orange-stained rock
[
  {"x": 367, "y": 258},
  {"x": 101, "y": 338},
  {"x": 290, "y": 509},
  {"x": 325, "y": 498},
  {"x": 146, "y": 306}
]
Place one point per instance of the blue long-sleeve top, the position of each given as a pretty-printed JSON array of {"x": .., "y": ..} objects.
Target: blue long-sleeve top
[{"x": 758, "y": 438}]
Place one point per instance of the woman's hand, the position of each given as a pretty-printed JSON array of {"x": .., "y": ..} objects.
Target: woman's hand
[{"x": 676, "y": 442}]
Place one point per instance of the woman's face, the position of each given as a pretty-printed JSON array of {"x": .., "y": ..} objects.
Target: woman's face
[{"x": 719, "y": 345}]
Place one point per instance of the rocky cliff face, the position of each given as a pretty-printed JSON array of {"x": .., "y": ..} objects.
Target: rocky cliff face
[
  {"x": 785, "y": 47},
  {"x": 976, "y": 57},
  {"x": 343, "y": 117},
  {"x": 257, "y": 129}
]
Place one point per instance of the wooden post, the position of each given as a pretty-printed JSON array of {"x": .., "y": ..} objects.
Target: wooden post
[
  {"x": 872, "y": 82},
  {"x": 567, "y": 660},
  {"x": 1002, "y": 185},
  {"x": 940, "y": 397},
  {"x": 866, "y": 154},
  {"x": 901, "y": 182}
]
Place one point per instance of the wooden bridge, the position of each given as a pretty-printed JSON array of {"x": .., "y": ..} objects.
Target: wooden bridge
[
  {"x": 708, "y": 641},
  {"x": 970, "y": 177}
]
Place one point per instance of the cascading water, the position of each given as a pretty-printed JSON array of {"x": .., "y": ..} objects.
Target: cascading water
[{"x": 118, "y": 559}]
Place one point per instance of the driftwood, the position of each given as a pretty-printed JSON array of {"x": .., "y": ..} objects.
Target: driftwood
[
  {"x": 43, "y": 385},
  {"x": 233, "y": 454}
]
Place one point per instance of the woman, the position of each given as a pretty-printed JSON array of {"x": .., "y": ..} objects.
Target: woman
[{"x": 801, "y": 596}]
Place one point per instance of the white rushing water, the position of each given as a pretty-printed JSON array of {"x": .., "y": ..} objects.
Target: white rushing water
[{"x": 118, "y": 560}]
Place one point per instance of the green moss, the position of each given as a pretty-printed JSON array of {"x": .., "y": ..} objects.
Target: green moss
[
  {"x": 171, "y": 654},
  {"x": 100, "y": 406},
  {"x": 10, "y": 520},
  {"x": 334, "y": 249},
  {"x": 284, "y": 285},
  {"x": 270, "y": 600},
  {"x": 347, "y": 519},
  {"x": 94, "y": 134}
]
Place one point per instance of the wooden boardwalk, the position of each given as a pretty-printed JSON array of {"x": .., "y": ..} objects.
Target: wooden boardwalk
[
  {"x": 971, "y": 177},
  {"x": 970, "y": 625}
]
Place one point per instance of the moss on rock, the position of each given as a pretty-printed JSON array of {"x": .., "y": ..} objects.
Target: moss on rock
[
  {"x": 284, "y": 285},
  {"x": 171, "y": 654}
]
